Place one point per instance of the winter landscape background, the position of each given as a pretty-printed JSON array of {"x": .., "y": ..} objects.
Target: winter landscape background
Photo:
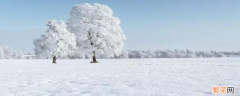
[{"x": 119, "y": 48}]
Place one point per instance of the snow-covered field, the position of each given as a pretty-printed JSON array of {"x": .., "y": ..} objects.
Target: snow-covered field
[{"x": 118, "y": 77}]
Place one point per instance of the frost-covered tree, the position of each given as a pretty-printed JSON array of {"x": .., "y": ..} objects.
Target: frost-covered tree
[
  {"x": 1, "y": 53},
  {"x": 97, "y": 30},
  {"x": 190, "y": 54},
  {"x": 7, "y": 52},
  {"x": 57, "y": 42},
  {"x": 124, "y": 54},
  {"x": 216, "y": 54},
  {"x": 158, "y": 53}
]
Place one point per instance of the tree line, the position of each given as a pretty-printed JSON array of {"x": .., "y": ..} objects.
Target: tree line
[
  {"x": 7, "y": 52},
  {"x": 176, "y": 53}
]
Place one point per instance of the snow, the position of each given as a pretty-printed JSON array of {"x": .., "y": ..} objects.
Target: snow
[{"x": 118, "y": 77}]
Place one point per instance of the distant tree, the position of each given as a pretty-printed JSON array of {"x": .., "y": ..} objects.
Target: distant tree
[
  {"x": 1, "y": 53},
  {"x": 97, "y": 30},
  {"x": 149, "y": 54},
  {"x": 158, "y": 53},
  {"x": 216, "y": 54},
  {"x": 130, "y": 54},
  {"x": 7, "y": 52},
  {"x": 124, "y": 55},
  {"x": 178, "y": 53},
  {"x": 57, "y": 42},
  {"x": 167, "y": 54},
  {"x": 189, "y": 54}
]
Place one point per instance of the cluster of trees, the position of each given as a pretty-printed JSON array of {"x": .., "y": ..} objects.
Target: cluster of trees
[
  {"x": 7, "y": 52},
  {"x": 91, "y": 30},
  {"x": 162, "y": 54},
  {"x": 178, "y": 54},
  {"x": 10, "y": 53}
]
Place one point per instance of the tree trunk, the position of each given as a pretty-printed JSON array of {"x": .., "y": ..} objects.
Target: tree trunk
[
  {"x": 94, "y": 58},
  {"x": 54, "y": 59}
]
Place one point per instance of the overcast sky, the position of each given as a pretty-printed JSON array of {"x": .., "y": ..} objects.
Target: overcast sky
[{"x": 147, "y": 24}]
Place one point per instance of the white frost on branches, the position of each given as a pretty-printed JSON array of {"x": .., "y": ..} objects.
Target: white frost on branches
[
  {"x": 10, "y": 53},
  {"x": 96, "y": 29},
  {"x": 57, "y": 41}
]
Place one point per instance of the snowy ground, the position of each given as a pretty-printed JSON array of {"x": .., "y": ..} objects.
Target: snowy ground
[{"x": 119, "y": 77}]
